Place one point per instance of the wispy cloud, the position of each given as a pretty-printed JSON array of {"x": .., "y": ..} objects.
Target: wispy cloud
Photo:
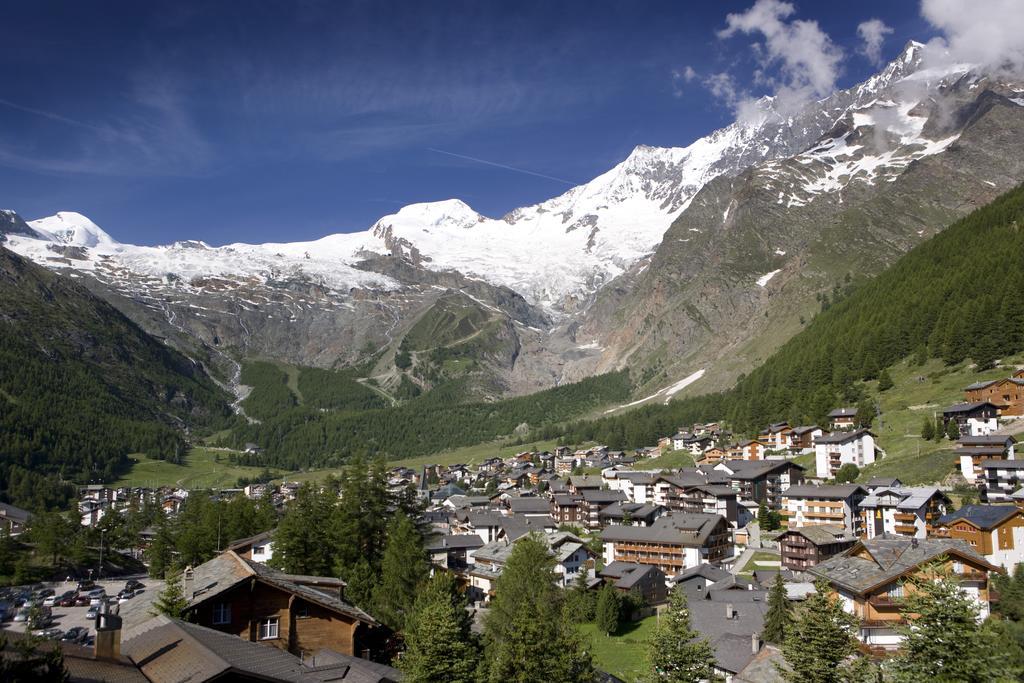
[
  {"x": 989, "y": 33},
  {"x": 872, "y": 34}
]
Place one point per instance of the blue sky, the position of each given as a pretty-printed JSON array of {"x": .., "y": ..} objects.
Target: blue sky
[{"x": 259, "y": 121}]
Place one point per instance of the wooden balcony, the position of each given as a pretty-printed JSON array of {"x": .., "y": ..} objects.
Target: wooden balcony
[
  {"x": 905, "y": 517},
  {"x": 973, "y": 575},
  {"x": 885, "y": 601}
]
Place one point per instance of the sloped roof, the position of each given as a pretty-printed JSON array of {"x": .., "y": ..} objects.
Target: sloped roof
[
  {"x": 688, "y": 529},
  {"x": 823, "y": 492},
  {"x": 526, "y": 505},
  {"x": 989, "y": 440},
  {"x": 821, "y": 534},
  {"x": 228, "y": 569},
  {"x": 967, "y": 407},
  {"x": 891, "y": 556},
  {"x": 843, "y": 412},
  {"x": 985, "y": 517},
  {"x": 453, "y": 541},
  {"x": 981, "y": 385},
  {"x": 843, "y": 437}
]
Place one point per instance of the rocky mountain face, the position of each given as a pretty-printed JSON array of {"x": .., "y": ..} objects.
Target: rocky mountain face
[{"x": 676, "y": 261}]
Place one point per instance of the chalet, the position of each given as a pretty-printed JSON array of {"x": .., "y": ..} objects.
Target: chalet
[
  {"x": 1000, "y": 479},
  {"x": 842, "y": 418},
  {"x": 595, "y": 500},
  {"x": 531, "y": 506},
  {"x": 870, "y": 579},
  {"x": 697, "y": 581},
  {"x": 840, "y": 448},
  {"x": 802, "y": 438},
  {"x": 762, "y": 481},
  {"x": 258, "y": 548},
  {"x": 996, "y": 532},
  {"x": 13, "y": 519},
  {"x": 674, "y": 543},
  {"x": 568, "y": 509},
  {"x": 298, "y": 614},
  {"x": 571, "y": 554},
  {"x": 564, "y": 464},
  {"x": 902, "y": 511},
  {"x": 646, "y": 579},
  {"x": 453, "y": 551},
  {"x": 807, "y": 546},
  {"x": 972, "y": 451},
  {"x": 685, "y": 495},
  {"x": 584, "y": 482},
  {"x": 713, "y": 455},
  {"x": 777, "y": 437},
  {"x": 486, "y": 525},
  {"x": 750, "y": 449},
  {"x": 972, "y": 419},
  {"x": 806, "y": 505},
  {"x": 1006, "y": 393},
  {"x": 635, "y": 514},
  {"x": 679, "y": 439},
  {"x": 167, "y": 650}
]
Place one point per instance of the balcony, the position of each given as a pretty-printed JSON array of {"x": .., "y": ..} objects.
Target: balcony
[
  {"x": 906, "y": 529},
  {"x": 973, "y": 575},
  {"x": 905, "y": 517},
  {"x": 884, "y": 600}
]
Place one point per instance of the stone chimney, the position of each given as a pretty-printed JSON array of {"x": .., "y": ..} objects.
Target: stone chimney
[
  {"x": 755, "y": 643},
  {"x": 108, "y": 636},
  {"x": 729, "y": 612}
]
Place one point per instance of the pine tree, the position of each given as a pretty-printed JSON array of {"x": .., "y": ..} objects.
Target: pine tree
[
  {"x": 952, "y": 430},
  {"x": 928, "y": 429},
  {"x": 884, "y": 380},
  {"x": 171, "y": 600},
  {"x": 439, "y": 644},
  {"x": 944, "y": 640},
  {"x": 403, "y": 570},
  {"x": 302, "y": 544},
  {"x": 607, "y": 612},
  {"x": 819, "y": 640},
  {"x": 780, "y": 613},
  {"x": 866, "y": 412},
  {"x": 674, "y": 653},
  {"x": 579, "y": 600},
  {"x": 527, "y": 637}
]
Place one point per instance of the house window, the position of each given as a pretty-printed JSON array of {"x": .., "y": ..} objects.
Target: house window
[
  {"x": 895, "y": 591},
  {"x": 268, "y": 628},
  {"x": 302, "y": 611},
  {"x": 221, "y": 613},
  {"x": 257, "y": 550}
]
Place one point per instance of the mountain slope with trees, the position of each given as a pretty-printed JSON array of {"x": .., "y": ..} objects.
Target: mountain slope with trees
[
  {"x": 81, "y": 387},
  {"x": 959, "y": 295}
]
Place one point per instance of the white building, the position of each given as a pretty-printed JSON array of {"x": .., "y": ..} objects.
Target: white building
[
  {"x": 841, "y": 448},
  {"x": 903, "y": 511}
]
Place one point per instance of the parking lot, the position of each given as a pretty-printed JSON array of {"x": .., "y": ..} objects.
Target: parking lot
[{"x": 133, "y": 612}]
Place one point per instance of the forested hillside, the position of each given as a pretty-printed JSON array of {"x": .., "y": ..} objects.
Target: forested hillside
[
  {"x": 81, "y": 387},
  {"x": 305, "y": 436},
  {"x": 959, "y": 295}
]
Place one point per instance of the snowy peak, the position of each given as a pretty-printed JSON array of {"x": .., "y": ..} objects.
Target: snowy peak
[{"x": 74, "y": 230}]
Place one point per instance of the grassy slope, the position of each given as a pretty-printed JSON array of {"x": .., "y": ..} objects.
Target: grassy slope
[
  {"x": 921, "y": 391},
  {"x": 670, "y": 460},
  {"x": 622, "y": 654},
  {"x": 201, "y": 470}
]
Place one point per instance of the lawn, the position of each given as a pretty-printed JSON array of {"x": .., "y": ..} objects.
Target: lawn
[
  {"x": 203, "y": 468},
  {"x": 624, "y": 653},
  {"x": 669, "y": 461},
  {"x": 920, "y": 392},
  {"x": 761, "y": 560}
]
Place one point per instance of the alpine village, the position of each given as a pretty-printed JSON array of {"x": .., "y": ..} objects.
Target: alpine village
[{"x": 743, "y": 411}]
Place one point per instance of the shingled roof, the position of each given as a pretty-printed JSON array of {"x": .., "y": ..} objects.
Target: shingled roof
[
  {"x": 890, "y": 557},
  {"x": 985, "y": 517},
  {"x": 229, "y": 569},
  {"x": 687, "y": 529}
]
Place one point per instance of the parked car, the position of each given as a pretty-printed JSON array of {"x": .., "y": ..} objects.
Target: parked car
[
  {"x": 85, "y": 585},
  {"x": 44, "y": 592},
  {"x": 67, "y": 599},
  {"x": 50, "y": 600},
  {"x": 52, "y": 633},
  {"x": 133, "y": 585},
  {"x": 93, "y": 611},
  {"x": 21, "y": 614},
  {"x": 75, "y": 634},
  {"x": 82, "y": 600},
  {"x": 97, "y": 596}
]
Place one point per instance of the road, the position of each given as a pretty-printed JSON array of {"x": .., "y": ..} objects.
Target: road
[{"x": 133, "y": 612}]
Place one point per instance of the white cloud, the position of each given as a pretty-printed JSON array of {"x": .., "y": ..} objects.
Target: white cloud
[
  {"x": 681, "y": 76},
  {"x": 798, "y": 60},
  {"x": 873, "y": 32},
  {"x": 723, "y": 86},
  {"x": 989, "y": 33}
]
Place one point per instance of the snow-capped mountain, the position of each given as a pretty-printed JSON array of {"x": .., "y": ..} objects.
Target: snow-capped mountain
[{"x": 550, "y": 261}]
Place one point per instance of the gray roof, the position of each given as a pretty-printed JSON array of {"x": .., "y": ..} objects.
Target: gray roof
[
  {"x": 825, "y": 492},
  {"x": 755, "y": 469},
  {"x": 822, "y": 534},
  {"x": 982, "y": 516},
  {"x": 989, "y": 440},
  {"x": 169, "y": 650},
  {"x": 876, "y": 482},
  {"x": 908, "y": 498},
  {"x": 620, "y": 509},
  {"x": 229, "y": 569},
  {"x": 14, "y": 513},
  {"x": 453, "y": 541},
  {"x": 1002, "y": 464},
  {"x": 637, "y": 477},
  {"x": 690, "y": 529},
  {"x": 730, "y": 638},
  {"x": 529, "y": 505},
  {"x": 892, "y": 556},
  {"x": 968, "y": 407},
  {"x": 586, "y": 481},
  {"x": 804, "y": 429},
  {"x": 842, "y": 437},
  {"x": 599, "y": 497},
  {"x": 562, "y": 544},
  {"x": 980, "y": 385},
  {"x": 706, "y": 571}
]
